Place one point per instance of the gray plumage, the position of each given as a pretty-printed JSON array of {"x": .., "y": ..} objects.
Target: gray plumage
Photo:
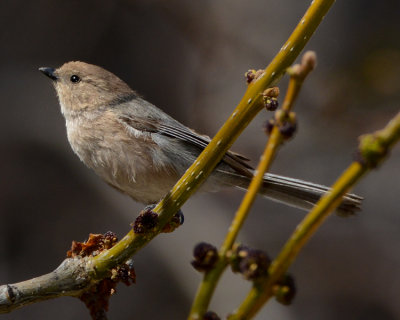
[{"x": 141, "y": 151}]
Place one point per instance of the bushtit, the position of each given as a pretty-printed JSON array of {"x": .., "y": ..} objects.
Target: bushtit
[{"x": 141, "y": 151}]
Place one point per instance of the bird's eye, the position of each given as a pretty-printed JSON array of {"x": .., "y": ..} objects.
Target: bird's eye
[{"x": 75, "y": 79}]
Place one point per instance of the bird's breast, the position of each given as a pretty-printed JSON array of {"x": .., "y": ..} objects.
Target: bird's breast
[{"x": 123, "y": 160}]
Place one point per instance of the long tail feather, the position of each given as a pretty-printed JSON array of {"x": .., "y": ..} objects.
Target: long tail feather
[
  {"x": 303, "y": 194},
  {"x": 297, "y": 193}
]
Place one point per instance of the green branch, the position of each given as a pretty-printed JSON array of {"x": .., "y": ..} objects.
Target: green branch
[
  {"x": 247, "y": 109},
  {"x": 210, "y": 280},
  {"x": 373, "y": 149}
]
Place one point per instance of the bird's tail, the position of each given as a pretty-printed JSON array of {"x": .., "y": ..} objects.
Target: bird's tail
[{"x": 298, "y": 193}]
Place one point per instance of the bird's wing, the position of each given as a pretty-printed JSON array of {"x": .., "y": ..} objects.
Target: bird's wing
[{"x": 178, "y": 131}]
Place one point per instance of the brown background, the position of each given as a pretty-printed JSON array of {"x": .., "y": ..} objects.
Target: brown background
[{"x": 189, "y": 57}]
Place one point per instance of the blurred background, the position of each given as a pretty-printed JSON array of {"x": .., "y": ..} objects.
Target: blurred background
[{"x": 189, "y": 58}]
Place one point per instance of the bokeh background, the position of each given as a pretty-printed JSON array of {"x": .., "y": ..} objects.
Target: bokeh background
[{"x": 189, "y": 57}]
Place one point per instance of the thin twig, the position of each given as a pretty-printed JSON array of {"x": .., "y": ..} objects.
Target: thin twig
[
  {"x": 210, "y": 280},
  {"x": 373, "y": 150}
]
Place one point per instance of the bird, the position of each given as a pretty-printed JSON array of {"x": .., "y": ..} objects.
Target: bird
[{"x": 141, "y": 151}]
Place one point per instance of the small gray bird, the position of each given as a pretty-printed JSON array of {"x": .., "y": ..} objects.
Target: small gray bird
[{"x": 141, "y": 151}]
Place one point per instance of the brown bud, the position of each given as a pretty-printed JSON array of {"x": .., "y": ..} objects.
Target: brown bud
[
  {"x": 250, "y": 75},
  {"x": 285, "y": 290},
  {"x": 211, "y": 315},
  {"x": 251, "y": 263},
  {"x": 205, "y": 256},
  {"x": 146, "y": 221},
  {"x": 176, "y": 221}
]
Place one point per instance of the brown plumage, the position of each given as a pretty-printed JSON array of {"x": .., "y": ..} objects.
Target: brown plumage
[{"x": 141, "y": 151}]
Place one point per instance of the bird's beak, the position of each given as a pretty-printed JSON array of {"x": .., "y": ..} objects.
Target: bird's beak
[{"x": 50, "y": 72}]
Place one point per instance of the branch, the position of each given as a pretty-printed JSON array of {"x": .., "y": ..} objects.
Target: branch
[
  {"x": 98, "y": 267},
  {"x": 69, "y": 279},
  {"x": 247, "y": 109},
  {"x": 373, "y": 149},
  {"x": 210, "y": 280}
]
